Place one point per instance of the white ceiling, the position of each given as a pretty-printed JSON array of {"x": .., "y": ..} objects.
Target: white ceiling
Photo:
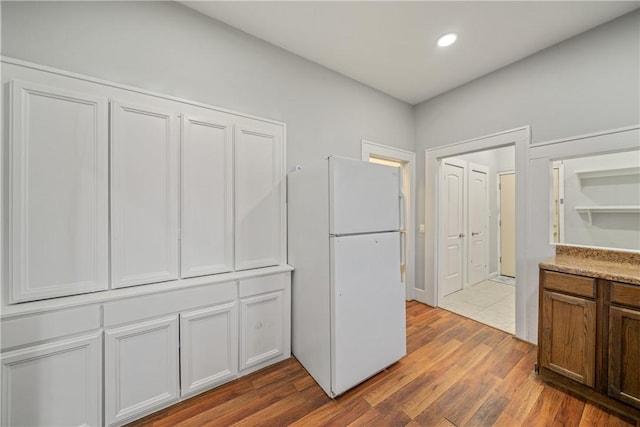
[{"x": 391, "y": 46}]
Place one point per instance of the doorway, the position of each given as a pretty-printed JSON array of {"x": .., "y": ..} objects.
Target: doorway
[
  {"x": 507, "y": 224},
  {"x": 429, "y": 292},
  {"x": 471, "y": 281},
  {"x": 405, "y": 160}
]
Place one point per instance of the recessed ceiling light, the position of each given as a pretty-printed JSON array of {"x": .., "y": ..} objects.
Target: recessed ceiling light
[{"x": 447, "y": 39}]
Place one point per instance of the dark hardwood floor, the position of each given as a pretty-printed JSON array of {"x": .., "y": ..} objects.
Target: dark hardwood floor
[{"x": 457, "y": 373}]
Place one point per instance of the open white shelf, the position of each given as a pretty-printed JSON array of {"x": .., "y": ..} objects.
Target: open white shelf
[
  {"x": 590, "y": 210},
  {"x": 605, "y": 173}
]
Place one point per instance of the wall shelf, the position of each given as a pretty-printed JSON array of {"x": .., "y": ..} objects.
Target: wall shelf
[
  {"x": 590, "y": 210},
  {"x": 606, "y": 173}
]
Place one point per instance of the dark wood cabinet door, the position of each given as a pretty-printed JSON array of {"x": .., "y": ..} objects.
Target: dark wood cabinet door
[
  {"x": 624, "y": 355},
  {"x": 568, "y": 344}
]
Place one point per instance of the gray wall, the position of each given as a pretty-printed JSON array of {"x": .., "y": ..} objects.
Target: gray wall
[
  {"x": 585, "y": 84},
  {"x": 169, "y": 48}
]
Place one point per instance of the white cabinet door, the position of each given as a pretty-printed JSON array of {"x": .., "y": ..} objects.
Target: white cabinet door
[
  {"x": 208, "y": 347},
  {"x": 144, "y": 208},
  {"x": 261, "y": 328},
  {"x": 54, "y": 384},
  {"x": 207, "y": 195},
  {"x": 141, "y": 369},
  {"x": 59, "y": 192},
  {"x": 259, "y": 191}
]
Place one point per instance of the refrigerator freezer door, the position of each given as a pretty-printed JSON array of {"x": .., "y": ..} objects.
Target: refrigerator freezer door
[
  {"x": 368, "y": 307},
  {"x": 364, "y": 197}
]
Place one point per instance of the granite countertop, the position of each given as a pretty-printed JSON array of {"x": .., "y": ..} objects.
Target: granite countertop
[{"x": 603, "y": 264}]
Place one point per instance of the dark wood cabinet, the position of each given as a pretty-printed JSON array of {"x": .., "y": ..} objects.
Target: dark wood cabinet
[
  {"x": 589, "y": 338},
  {"x": 624, "y": 344},
  {"x": 569, "y": 336}
]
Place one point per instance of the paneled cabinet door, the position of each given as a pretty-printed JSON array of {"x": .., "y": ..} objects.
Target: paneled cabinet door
[
  {"x": 208, "y": 347},
  {"x": 58, "y": 200},
  {"x": 144, "y": 203},
  {"x": 568, "y": 344},
  {"x": 54, "y": 384},
  {"x": 141, "y": 369},
  {"x": 259, "y": 191},
  {"x": 261, "y": 328},
  {"x": 624, "y": 355},
  {"x": 207, "y": 195}
]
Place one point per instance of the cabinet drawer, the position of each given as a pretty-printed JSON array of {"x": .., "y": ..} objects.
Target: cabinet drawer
[
  {"x": 50, "y": 325},
  {"x": 621, "y": 293},
  {"x": 571, "y": 284}
]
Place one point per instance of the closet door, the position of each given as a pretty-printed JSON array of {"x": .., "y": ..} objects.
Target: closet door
[
  {"x": 58, "y": 192},
  {"x": 259, "y": 214},
  {"x": 207, "y": 195},
  {"x": 144, "y": 208}
]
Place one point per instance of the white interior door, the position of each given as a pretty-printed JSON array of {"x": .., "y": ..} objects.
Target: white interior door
[
  {"x": 508, "y": 225},
  {"x": 478, "y": 211},
  {"x": 452, "y": 226},
  {"x": 368, "y": 329}
]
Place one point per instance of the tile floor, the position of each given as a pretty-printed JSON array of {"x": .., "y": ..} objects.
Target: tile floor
[{"x": 488, "y": 302}]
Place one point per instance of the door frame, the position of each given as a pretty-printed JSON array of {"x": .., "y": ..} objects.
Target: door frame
[
  {"x": 499, "y": 174},
  {"x": 518, "y": 137},
  {"x": 560, "y": 167},
  {"x": 408, "y": 159}
]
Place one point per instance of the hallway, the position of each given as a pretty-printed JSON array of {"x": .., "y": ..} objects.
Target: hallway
[{"x": 488, "y": 302}]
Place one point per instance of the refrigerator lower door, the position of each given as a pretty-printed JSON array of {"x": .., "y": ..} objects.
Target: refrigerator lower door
[{"x": 368, "y": 307}]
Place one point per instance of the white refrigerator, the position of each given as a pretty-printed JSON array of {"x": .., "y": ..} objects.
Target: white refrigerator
[{"x": 348, "y": 301}]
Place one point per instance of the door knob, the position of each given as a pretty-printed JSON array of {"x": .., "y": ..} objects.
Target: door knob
[
  {"x": 461, "y": 235},
  {"x": 473, "y": 233}
]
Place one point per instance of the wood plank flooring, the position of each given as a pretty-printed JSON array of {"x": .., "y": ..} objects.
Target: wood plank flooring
[{"x": 457, "y": 373}]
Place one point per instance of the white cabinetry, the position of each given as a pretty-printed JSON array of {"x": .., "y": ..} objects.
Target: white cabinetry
[
  {"x": 264, "y": 320},
  {"x": 57, "y": 383},
  {"x": 110, "y": 187},
  {"x": 259, "y": 190},
  {"x": 207, "y": 195},
  {"x": 208, "y": 347},
  {"x": 144, "y": 194},
  {"x": 58, "y": 200},
  {"x": 141, "y": 368}
]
